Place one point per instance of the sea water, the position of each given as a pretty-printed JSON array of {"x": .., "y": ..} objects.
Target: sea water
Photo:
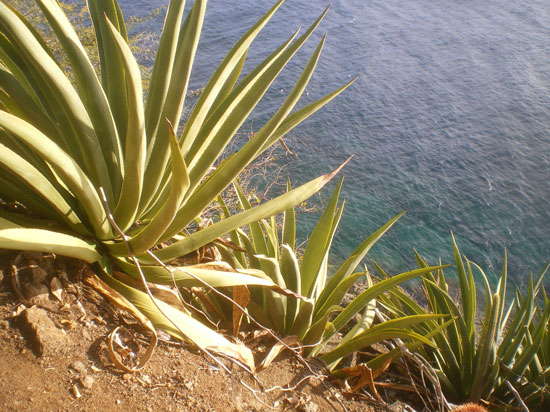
[{"x": 449, "y": 119}]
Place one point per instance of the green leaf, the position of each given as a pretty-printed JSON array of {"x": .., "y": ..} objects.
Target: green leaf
[
  {"x": 365, "y": 340},
  {"x": 353, "y": 261},
  {"x": 215, "y": 274},
  {"x": 172, "y": 108},
  {"x": 46, "y": 241},
  {"x": 365, "y": 297},
  {"x": 89, "y": 88},
  {"x": 289, "y": 224},
  {"x": 151, "y": 233},
  {"x": 319, "y": 244},
  {"x": 270, "y": 208},
  {"x": 134, "y": 153}
]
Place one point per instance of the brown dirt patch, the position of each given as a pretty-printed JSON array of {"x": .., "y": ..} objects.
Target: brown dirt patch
[{"x": 80, "y": 376}]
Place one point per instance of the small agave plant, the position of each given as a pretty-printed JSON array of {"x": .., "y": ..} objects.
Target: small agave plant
[
  {"x": 102, "y": 170},
  {"x": 480, "y": 356},
  {"x": 313, "y": 312}
]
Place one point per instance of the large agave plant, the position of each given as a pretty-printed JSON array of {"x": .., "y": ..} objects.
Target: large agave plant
[
  {"x": 480, "y": 355},
  {"x": 77, "y": 149},
  {"x": 315, "y": 314}
]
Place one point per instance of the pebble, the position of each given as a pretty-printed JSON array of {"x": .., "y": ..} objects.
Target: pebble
[
  {"x": 146, "y": 379},
  {"x": 87, "y": 382},
  {"x": 79, "y": 368},
  {"x": 86, "y": 334}
]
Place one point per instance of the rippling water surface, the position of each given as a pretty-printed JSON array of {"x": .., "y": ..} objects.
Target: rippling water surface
[{"x": 449, "y": 119}]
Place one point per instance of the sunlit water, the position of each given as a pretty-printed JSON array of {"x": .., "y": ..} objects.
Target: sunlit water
[{"x": 449, "y": 119}]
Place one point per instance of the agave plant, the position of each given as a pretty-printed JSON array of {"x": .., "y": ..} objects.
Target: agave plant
[
  {"x": 100, "y": 171},
  {"x": 476, "y": 355},
  {"x": 314, "y": 313}
]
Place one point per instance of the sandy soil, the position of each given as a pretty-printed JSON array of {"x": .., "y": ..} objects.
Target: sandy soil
[{"x": 74, "y": 372}]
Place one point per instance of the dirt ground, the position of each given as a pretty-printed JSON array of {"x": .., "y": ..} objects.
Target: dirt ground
[{"x": 67, "y": 368}]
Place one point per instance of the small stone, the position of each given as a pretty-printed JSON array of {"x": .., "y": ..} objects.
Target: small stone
[
  {"x": 41, "y": 332},
  {"x": 4, "y": 324},
  {"x": 37, "y": 294},
  {"x": 87, "y": 382},
  {"x": 39, "y": 275},
  {"x": 118, "y": 402},
  {"x": 76, "y": 392},
  {"x": 86, "y": 334},
  {"x": 79, "y": 368},
  {"x": 146, "y": 379},
  {"x": 311, "y": 407}
]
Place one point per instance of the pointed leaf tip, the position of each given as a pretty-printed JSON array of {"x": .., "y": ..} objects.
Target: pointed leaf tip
[{"x": 329, "y": 176}]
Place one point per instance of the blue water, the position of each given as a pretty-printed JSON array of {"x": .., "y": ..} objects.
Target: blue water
[{"x": 449, "y": 119}]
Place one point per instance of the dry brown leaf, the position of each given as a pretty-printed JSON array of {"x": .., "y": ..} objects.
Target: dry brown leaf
[
  {"x": 366, "y": 376},
  {"x": 121, "y": 302},
  {"x": 56, "y": 289},
  {"x": 231, "y": 245},
  {"x": 116, "y": 359},
  {"x": 203, "y": 297},
  {"x": 241, "y": 296},
  {"x": 236, "y": 351}
]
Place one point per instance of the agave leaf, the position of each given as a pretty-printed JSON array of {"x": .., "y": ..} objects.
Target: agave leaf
[
  {"x": 319, "y": 243},
  {"x": 272, "y": 237},
  {"x": 256, "y": 232},
  {"x": 22, "y": 72},
  {"x": 501, "y": 290},
  {"x": 289, "y": 224},
  {"x": 516, "y": 330},
  {"x": 35, "y": 181},
  {"x": 354, "y": 260},
  {"x": 234, "y": 236},
  {"x": 290, "y": 270},
  {"x": 66, "y": 168},
  {"x": 365, "y": 297},
  {"x": 485, "y": 351},
  {"x": 303, "y": 319},
  {"x": 134, "y": 153},
  {"x": 412, "y": 346},
  {"x": 274, "y": 303},
  {"x": 173, "y": 105},
  {"x": 467, "y": 290},
  {"x": 163, "y": 66},
  {"x": 112, "y": 68},
  {"x": 337, "y": 294},
  {"x": 528, "y": 353},
  {"x": 152, "y": 232},
  {"x": 269, "y": 208},
  {"x": 231, "y": 114},
  {"x": 35, "y": 33},
  {"x": 368, "y": 339},
  {"x": 297, "y": 117},
  {"x": 89, "y": 88},
  {"x": 218, "y": 130},
  {"x": 219, "y": 78},
  {"x": 215, "y": 274},
  {"x": 59, "y": 91},
  {"x": 367, "y": 318},
  {"x": 22, "y": 103},
  {"x": 179, "y": 324},
  {"x": 458, "y": 335},
  {"x": 46, "y": 241}
]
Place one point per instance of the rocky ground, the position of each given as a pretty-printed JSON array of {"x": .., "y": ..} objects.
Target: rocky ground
[{"x": 54, "y": 357}]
